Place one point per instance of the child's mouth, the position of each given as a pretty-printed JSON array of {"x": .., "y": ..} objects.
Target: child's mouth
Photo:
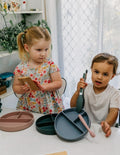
[{"x": 98, "y": 82}]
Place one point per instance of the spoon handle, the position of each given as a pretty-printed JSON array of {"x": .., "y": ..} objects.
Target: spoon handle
[{"x": 85, "y": 124}]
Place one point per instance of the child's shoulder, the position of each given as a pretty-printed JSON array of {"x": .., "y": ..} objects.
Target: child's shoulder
[
  {"x": 52, "y": 66},
  {"x": 50, "y": 61},
  {"x": 112, "y": 89},
  {"x": 21, "y": 65}
]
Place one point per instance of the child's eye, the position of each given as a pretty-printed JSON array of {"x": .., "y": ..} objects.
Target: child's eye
[
  {"x": 46, "y": 49},
  {"x": 96, "y": 71},
  {"x": 39, "y": 50},
  {"x": 105, "y": 74}
]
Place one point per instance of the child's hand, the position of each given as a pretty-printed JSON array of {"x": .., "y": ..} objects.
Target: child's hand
[
  {"x": 106, "y": 128},
  {"x": 81, "y": 84},
  {"x": 25, "y": 88},
  {"x": 42, "y": 87}
]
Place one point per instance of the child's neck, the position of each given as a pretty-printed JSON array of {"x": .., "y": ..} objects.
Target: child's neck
[
  {"x": 99, "y": 90},
  {"x": 34, "y": 64}
]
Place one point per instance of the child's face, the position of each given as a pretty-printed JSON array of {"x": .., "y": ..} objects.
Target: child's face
[
  {"x": 38, "y": 52},
  {"x": 102, "y": 73}
]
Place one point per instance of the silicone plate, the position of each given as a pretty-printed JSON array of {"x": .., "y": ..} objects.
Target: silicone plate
[
  {"x": 69, "y": 127},
  {"x": 16, "y": 121},
  {"x": 45, "y": 124}
]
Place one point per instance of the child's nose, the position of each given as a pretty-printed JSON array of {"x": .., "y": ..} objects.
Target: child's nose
[
  {"x": 100, "y": 76},
  {"x": 43, "y": 52}
]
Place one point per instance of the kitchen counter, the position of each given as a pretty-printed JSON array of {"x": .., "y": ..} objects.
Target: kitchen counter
[{"x": 31, "y": 142}]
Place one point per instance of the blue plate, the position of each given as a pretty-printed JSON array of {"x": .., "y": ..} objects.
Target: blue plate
[
  {"x": 45, "y": 124},
  {"x": 68, "y": 125}
]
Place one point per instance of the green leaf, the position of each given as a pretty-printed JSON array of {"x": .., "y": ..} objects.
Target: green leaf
[
  {"x": 48, "y": 29},
  {"x": 11, "y": 23}
]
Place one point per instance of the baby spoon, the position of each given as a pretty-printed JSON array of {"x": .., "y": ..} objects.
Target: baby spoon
[
  {"x": 80, "y": 99},
  {"x": 85, "y": 124}
]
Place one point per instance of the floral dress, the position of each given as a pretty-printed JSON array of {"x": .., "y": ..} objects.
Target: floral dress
[{"x": 39, "y": 101}]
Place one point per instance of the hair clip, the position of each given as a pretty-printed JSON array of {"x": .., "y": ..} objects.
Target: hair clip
[{"x": 25, "y": 31}]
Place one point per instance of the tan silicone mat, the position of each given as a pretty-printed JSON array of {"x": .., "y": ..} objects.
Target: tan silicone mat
[{"x": 16, "y": 121}]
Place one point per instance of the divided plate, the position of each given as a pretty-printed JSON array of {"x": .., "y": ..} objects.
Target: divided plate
[
  {"x": 16, "y": 121},
  {"x": 68, "y": 125},
  {"x": 45, "y": 124}
]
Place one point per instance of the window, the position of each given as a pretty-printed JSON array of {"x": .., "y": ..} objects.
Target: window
[{"x": 86, "y": 28}]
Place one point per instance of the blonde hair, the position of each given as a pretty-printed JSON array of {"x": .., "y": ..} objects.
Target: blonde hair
[
  {"x": 110, "y": 59},
  {"x": 28, "y": 37}
]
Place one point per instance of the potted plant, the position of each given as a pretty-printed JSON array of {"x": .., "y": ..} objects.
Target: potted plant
[{"x": 8, "y": 34}]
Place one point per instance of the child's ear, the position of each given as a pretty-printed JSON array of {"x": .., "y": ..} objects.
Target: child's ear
[
  {"x": 26, "y": 47},
  {"x": 112, "y": 76}
]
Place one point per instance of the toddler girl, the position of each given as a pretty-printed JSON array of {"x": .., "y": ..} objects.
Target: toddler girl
[{"x": 34, "y": 45}]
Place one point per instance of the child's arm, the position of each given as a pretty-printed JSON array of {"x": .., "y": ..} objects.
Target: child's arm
[
  {"x": 18, "y": 86},
  {"x": 112, "y": 116},
  {"x": 81, "y": 84},
  {"x": 54, "y": 85},
  {"x": 110, "y": 120}
]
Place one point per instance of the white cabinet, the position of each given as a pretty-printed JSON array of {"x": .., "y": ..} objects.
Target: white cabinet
[{"x": 9, "y": 101}]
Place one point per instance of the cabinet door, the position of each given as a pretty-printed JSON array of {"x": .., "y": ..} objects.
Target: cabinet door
[{"x": 9, "y": 102}]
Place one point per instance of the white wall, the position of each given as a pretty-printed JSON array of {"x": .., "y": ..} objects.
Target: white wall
[{"x": 36, "y": 4}]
